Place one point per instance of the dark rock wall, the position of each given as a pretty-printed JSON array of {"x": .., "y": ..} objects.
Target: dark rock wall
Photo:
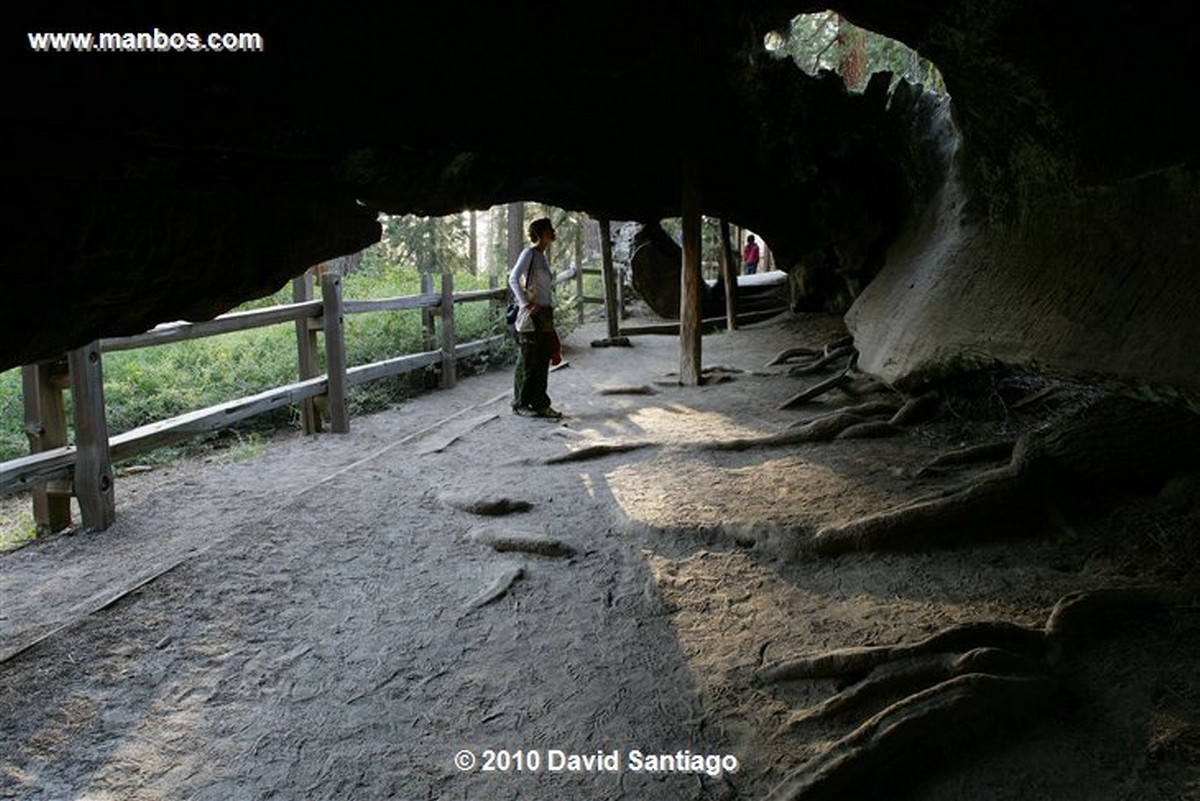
[{"x": 149, "y": 187}]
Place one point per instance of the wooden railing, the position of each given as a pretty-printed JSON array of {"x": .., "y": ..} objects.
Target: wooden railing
[{"x": 56, "y": 470}]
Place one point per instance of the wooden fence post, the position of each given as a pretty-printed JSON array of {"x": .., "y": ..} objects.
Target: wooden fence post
[
  {"x": 427, "y": 334},
  {"x": 449, "y": 365},
  {"x": 306, "y": 352},
  {"x": 689, "y": 296},
  {"x": 93, "y": 462},
  {"x": 46, "y": 427},
  {"x": 610, "y": 285},
  {"x": 335, "y": 350},
  {"x": 577, "y": 247}
]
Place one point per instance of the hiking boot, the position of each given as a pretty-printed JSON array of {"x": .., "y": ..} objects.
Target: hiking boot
[{"x": 548, "y": 412}]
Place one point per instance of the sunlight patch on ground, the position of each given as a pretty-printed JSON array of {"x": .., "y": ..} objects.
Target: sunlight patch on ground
[
  {"x": 673, "y": 492},
  {"x": 679, "y": 424}
]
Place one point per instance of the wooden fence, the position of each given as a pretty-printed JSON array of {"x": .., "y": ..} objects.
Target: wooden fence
[{"x": 56, "y": 470}]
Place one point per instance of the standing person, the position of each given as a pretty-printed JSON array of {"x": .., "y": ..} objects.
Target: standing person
[
  {"x": 750, "y": 255},
  {"x": 532, "y": 284}
]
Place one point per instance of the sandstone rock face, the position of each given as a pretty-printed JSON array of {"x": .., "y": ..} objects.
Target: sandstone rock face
[{"x": 143, "y": 188}]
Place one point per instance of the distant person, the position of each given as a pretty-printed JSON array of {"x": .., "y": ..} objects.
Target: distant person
[
  {"x": 532, "y": 285},
  {"x": 750, "y": 255}
]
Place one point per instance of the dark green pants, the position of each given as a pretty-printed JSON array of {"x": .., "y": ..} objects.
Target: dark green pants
[{"x": 533, "y": 365}]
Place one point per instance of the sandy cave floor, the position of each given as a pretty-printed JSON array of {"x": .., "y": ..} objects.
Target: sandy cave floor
[{"x": 307, "y": 624}]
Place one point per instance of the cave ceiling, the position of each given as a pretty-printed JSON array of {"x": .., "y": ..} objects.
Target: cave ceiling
[{"x": 151, "y": 187}]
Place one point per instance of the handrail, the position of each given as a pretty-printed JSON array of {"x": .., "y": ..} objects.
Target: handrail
[
  {"x": 225, "y": 324},
  {"x": 34, "y": 470}
]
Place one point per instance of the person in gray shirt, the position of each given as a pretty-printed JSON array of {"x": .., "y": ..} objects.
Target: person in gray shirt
[{"x": 532, "y": 283}]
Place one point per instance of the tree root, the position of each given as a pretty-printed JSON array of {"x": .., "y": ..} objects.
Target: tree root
[
  {"x": 822, "y": 429},
  {"x": 596, "y": 452},
  {"x": 482, "y": 505},
  {"x": 822, "y": 362},
  {"x": 497, "y": 589},
  {"x": 792, "y": 353},
  {"x": 818, "y": 389},
  {"x": 916, "y": 410},
  {"x": 952, "y": 686},
  {"x": 904, "y": 676},
  {"x": 875, "y": 755},
  {"x": 985, "y": 452},
  {"x": 521, "y": 541},
  {"x": 1116, "y": 444},
  {"x": 858, "y": 662},
  {"x": 872, "y": 429},
  {"x": 1003, "y": 501}
]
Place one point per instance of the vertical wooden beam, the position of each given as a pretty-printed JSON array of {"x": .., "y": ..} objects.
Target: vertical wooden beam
[
  {"x": 93, "y": 462},
  {"x": 578, "y": 248},
  {"x": 729, "y": 269},
  {"x": 427, "y": 332},
  {"x": 622, "y": 311},
  {"x": 306, "y": 352},
  {"x": 46, "y": 428},
  {"x": 335, "y": 351},
  {"x": 689, "y": 296},
  {"x": 516, "y": 232},
  {"x": 610, "y": 285},
  {"x": 473, "y": 241},
  {"x": 449, "y": 363}
]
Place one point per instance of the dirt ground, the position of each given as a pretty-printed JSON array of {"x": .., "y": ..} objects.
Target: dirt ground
[{"x": 329, "y": 621}]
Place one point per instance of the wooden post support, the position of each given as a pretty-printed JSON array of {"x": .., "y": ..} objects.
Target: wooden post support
[
  {"x": 610, "y": 284},
  {"x": 427, "y": 333},
  {"x": 306, "y": 353},
  {"x": 449, "y": 363},
  {"x": 578, "y": 253},
  {"x": 335, "y": 351},
  {"x": 46, "y": 427},
  {"x": 622, "y": 310},
  {"x": 93, "y": 462},
  {"x": 729, "y": 269},
  {"x": 689, "y": 296}
]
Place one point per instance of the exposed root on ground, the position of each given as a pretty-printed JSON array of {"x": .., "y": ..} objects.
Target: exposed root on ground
[
  {"x": 498, "y": 588},
  {"x": 1115, "y": 445},
  {"x": 917, "y": 700},
  {"x": 505, "y": 541},
  {"x": 596, "y": 452},
  {"x": 821, "y": 362},
  {"x": 972, "y": 454},
  {"x": 483, "y": 505}
]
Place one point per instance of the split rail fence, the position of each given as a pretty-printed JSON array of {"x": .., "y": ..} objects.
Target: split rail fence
[{"x": 56, "y": 470}]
